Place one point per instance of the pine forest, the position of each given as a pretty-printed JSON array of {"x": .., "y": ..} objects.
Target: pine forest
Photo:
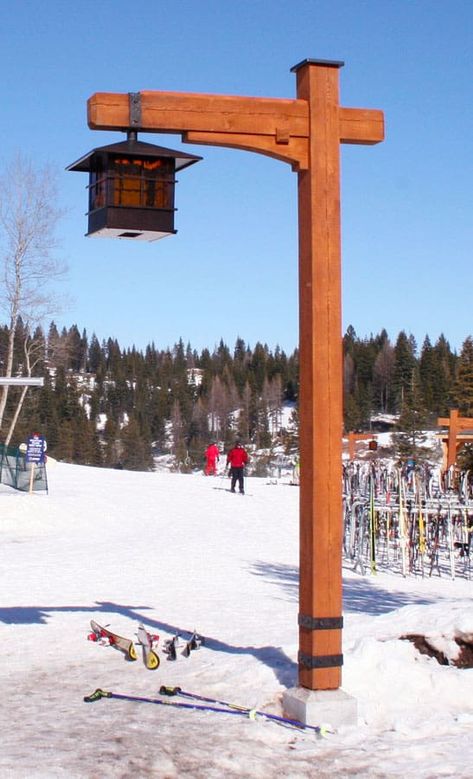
[{"x": 105, "y": 405}]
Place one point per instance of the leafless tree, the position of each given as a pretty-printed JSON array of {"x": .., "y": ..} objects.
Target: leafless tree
[
  {"x": 29, "y": 214},
  {"x": 383, "y": 372},
  {"x": 272, "y": 393},
  {"x": 245, "y": 410},
  {"x": 217, "y": 408},
  {"x": 178, "y": 444},
  {"x": 34, "y": 351}
]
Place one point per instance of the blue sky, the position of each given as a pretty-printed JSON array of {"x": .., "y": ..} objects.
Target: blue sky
[{"x": 231, "y": 270}]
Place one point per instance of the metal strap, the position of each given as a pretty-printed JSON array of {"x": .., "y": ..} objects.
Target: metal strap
[
  {"x": 134, "y": 99},
  {"x": 320, "y": 623},
  {"x": 322, "y": 661}
]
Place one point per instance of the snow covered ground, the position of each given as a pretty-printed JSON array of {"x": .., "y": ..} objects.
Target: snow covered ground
[{"x": 178, "y": 552}]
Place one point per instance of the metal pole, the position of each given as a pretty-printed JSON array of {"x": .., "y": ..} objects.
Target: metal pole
[{"x": 21, "y": 381}]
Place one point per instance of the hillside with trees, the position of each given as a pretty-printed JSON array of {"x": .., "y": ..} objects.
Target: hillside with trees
[{"x": 106, "y": 405}]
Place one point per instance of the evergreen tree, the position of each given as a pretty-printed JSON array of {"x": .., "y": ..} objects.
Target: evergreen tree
[
  {"x": 96, "y": 357},
  {"x": 87, "y": 449},
  {"x": 428, "y": 373},
  {"x": 179, "y": 448},
  {"x": 47, "y": 414},
  {"x": 258, "y": 366},
  {"x": 463, "y": 385},
  {"x": 65, "y": 446},
  {"x": 198, "y": 433},
  {"x": 76, "y": 350},
  {"x": 111, "y": 446},
  {"x": 411, "y": 422},
  {"x": 349, "y": 341},
  {"x": 244, "y": 417},
  {"x": 445, "y": 368},
  {"x": 136, "y": 452},
  {"x": 352, "y": 416},
  {"x": 404, "y": 364}
]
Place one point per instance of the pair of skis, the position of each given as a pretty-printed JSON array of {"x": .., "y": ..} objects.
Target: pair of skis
[
  {"x": 204, "y": 703},
  {"x": 147, "y": 641},
  {"x": 172, "y": 644}
]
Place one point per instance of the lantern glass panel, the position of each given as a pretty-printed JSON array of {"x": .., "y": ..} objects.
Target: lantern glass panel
[
  {"x": 142, "y": 183},
  {"x": 97, "y": 187}
]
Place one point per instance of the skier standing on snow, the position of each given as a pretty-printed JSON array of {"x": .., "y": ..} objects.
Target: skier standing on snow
[
  {"x": 237, "y": 459},
  {"x": 212, "y": 456}
]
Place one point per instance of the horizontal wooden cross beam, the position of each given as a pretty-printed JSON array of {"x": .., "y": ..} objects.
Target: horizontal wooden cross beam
[
  {"x": 353, "y": 438},
  {"x": 454, "y": 424},
  {"x": 459, "y": 422},
  {"x": 277, "y": 127},
  {"x": 459, "y": 437}
]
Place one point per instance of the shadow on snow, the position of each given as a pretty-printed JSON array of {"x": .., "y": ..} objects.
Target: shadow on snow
[
  {"x": 284, "y": 669},
  {"x": 362, "y": 595}
]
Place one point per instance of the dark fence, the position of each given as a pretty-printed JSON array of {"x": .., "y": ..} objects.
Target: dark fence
[{"x": 17, "y": 473}]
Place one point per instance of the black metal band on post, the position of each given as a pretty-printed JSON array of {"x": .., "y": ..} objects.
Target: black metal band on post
[
  {"x": 323, "y": 661},
  {"x": 134, "y": 99},
  {"x": 320, "y": 623}
]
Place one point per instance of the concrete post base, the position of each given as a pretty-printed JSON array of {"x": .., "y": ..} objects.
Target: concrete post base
[{"x": 320, "y": 707}]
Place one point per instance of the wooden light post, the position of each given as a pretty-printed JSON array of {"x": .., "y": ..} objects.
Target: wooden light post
[
  {"x": 305, "y": 132},
  {"x": 354, "y": 437},
  {"x": 457, "y": 434}
]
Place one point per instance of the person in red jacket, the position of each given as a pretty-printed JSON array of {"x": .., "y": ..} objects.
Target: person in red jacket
[
  {"x": 237, "y": 459},
  {"x": 212, "y": 456}
]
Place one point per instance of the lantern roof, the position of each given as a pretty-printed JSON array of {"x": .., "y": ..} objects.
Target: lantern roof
[{"x": 134, "y": 148}]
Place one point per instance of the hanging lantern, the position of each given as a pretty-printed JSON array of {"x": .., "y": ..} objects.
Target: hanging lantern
[
  {"x": 373, "y": 446},
  {"x": 131, "y": 189}
]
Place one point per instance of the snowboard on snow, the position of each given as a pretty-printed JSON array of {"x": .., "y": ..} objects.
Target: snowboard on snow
[
  {"x": 105, "y": 636},
  {"x": 148, "y": 641}
]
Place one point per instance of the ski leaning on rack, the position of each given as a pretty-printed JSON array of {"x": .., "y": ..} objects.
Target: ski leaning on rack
[
  {"x": 148, "y": 642},
  {"x": 224, "y": 708},
  {"x": 107, "y": 637}
]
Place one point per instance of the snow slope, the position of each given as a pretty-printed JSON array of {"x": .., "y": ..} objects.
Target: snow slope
[{"x": 178, "y": 552}]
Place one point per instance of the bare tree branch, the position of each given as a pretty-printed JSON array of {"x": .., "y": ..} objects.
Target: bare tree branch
[
  {"x": 34, "y": 351},
  {"x": 28, "y": 218}
]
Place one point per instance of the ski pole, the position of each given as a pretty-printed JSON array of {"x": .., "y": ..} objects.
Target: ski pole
[
  {"x": 99, "y": 694},
  {"x": 171, "y": 691},
  {"x": 252, "y": 713}
]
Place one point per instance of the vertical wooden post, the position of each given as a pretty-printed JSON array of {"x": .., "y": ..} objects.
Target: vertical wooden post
[
  {"x": 31, "y": 478},
  {"x": 321, "y": 395}
]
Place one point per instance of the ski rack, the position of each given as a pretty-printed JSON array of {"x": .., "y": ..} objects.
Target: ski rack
[{"x": 408, "y": 522}]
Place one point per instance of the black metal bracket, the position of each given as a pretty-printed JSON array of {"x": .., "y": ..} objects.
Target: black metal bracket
[
  {"x": 322, "y": 661},
  {"x": 134, "y": 99},
  {"x": 320, "y": 623}
]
